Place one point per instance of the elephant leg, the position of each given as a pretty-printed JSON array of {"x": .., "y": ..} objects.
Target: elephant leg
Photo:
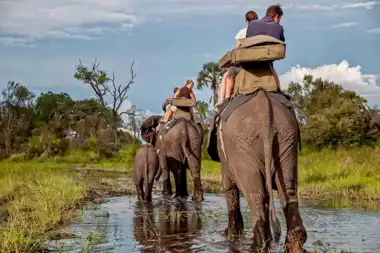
[
  {"x": 141, "y": 189},
  {"x": 183, "y": 184},
  {"x": 250, "y": 180},
  {"x": 166, "y": 185},
  {"x": 232, "y": 194},
  {"x": 180, "y": 179},
  {"x": 139, "y": 193},
  {"x": 195, "y": 169},
  {"x": 286, "y": 183}
]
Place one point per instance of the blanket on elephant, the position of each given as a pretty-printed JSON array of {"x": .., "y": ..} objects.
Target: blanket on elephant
[
  {"x": 237, "y": 101},
  {"x": 161, "y": 133}
]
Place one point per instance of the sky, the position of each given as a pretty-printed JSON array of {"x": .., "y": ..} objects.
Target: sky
[{"x": 41, "y": 41}]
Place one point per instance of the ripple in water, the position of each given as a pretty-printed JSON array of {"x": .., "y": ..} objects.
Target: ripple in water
[{"x": 124, "y": 225}]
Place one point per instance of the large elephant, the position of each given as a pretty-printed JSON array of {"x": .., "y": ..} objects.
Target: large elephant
[
  {"x": 257, "y": 146},
  {"x": 180, "y": 149},
  {"x": 179, "y": 145}
]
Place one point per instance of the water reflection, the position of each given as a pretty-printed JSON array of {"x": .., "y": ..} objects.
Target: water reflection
[{"x": 168, "y": 227}]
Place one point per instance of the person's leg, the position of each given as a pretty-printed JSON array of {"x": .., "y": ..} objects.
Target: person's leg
[
  {"x": 222, "y": 88},
  {"x": 167, "y": 116},
  {"x": 229, "y": 87}
]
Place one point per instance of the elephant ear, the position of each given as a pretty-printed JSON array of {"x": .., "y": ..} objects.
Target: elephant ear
[{"x": 150, "y": 122}]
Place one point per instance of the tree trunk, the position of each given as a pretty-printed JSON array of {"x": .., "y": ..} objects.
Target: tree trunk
[{"x": 215, "y": 96}]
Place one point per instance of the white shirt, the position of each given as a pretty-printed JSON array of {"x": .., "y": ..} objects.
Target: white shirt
[{"x": 241, "y": 34}]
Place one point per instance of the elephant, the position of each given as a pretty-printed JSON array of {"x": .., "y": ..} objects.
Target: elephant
[
  {"x": 181, "y": 148},
  {"x": 257, "y": 146},
  {"x": 178, "y": 144},
  {"x": 145, "y": 171}
]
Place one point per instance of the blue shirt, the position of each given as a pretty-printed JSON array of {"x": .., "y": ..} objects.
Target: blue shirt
[{"x": 265, "y": 26}]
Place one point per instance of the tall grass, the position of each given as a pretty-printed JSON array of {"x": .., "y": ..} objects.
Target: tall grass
[
  {"x": 40, "y": 196},
  {"x": 354, "y": 173}
]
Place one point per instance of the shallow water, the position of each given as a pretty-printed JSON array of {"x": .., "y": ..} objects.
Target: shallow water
[{"x": 124, "y": 225}]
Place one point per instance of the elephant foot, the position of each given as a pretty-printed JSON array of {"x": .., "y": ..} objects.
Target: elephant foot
[
  {"x": 234, "y": 231},
  {"x": 198, "y": 196},
  {"x": 177, "y": 195},
  {"x": 166, "y": 188},
  {"x": 296, "y": 235},
  {"x": 261, "y": 235},
  {"x": 148, "y": 198},
  {"x": 295, "y": 239}
]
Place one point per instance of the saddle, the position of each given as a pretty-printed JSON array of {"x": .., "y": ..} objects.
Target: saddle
[{"x": 167, "y": 126}]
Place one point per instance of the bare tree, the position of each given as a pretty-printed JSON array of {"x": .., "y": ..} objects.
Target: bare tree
[{"x": 100, "y": 84}]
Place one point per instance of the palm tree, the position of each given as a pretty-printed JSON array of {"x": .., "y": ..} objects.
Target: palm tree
[
  {"x": 210, "y": 76},
  {"x": 202, "y": 109}
]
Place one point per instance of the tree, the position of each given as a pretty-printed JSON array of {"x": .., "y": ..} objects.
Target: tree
[
  {"x": 99, "y": 82},
  {"x": 202, "y": 109},
  {"x": 16, "y": 116},
  {"x": 330, "y": 115},
  {"x": 210, "y": 76}
]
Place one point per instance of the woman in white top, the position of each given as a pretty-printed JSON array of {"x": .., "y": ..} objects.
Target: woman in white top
[{"x": 227, "y": 85}]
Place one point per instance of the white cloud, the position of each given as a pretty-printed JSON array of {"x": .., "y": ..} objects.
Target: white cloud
[
  {"x": 87, "y": 19},
  {"x": 346, "y": 24},
  {"x": 21, "y": 42},
  {"x": 350, "y": 77},
  {"x": 374, "y": 30},
  {"x": 367, "y": 5}
]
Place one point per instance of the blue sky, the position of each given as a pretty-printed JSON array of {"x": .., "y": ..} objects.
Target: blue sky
[{"x": 169, "y": 40}]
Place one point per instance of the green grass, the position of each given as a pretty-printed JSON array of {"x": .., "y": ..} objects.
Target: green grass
[
  {"x": 354, "y": 174},
  {"x": 42, "y": 196}
]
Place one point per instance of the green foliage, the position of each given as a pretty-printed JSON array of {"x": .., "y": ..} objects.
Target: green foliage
[
  {"x": 329, "y": 115},
  {"x": 53, "y": 123}
]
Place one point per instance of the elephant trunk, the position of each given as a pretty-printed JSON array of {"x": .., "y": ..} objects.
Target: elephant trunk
[{"x": 269, "y": 164}]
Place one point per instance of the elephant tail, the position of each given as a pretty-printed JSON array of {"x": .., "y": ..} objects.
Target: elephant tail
[
  {"x": 185, "y": 150},
  {"x": 146, "y": 172},
  {"x": 269, "y": 164}
]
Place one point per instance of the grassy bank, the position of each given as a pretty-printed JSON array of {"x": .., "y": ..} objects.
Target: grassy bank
[
  {"x": 37, "y": 196},
  {"x": 354, "y": 174}
]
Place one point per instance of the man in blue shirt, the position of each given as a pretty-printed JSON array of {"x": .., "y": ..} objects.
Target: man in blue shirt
[{"x": 268, "y": 25}]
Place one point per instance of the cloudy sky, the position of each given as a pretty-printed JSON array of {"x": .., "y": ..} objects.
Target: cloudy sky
[{"x": 169, "y": 40}]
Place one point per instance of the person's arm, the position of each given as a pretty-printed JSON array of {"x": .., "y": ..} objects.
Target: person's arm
[
  {"x": 192, "y": 95},
  {"x": 166, "y": 102},
  {"x": 282, "y": 36}
]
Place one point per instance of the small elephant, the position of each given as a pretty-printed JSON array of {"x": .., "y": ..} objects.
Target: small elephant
[{"x": 145, "y": 171}]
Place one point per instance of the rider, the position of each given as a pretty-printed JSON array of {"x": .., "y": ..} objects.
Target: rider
[
  {"x": 184, "y": 92},
  {"x": 269, "y": 25},
  {"x": 227, "y": 84}
]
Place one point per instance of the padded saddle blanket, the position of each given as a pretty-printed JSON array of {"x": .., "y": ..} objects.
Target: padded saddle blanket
[{"x": 254, "y": 49}]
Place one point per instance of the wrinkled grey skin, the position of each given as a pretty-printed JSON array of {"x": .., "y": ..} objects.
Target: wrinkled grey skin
[
  {"x": 247, "y": 137},
  {"x": 181, "y": 149},
  {"x": 145, "y": 171}
]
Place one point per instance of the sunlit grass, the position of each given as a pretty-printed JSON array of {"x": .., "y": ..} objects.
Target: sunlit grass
[
  {"x": 352, "y": 173},
  {"x": 42, "y": 195}
]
